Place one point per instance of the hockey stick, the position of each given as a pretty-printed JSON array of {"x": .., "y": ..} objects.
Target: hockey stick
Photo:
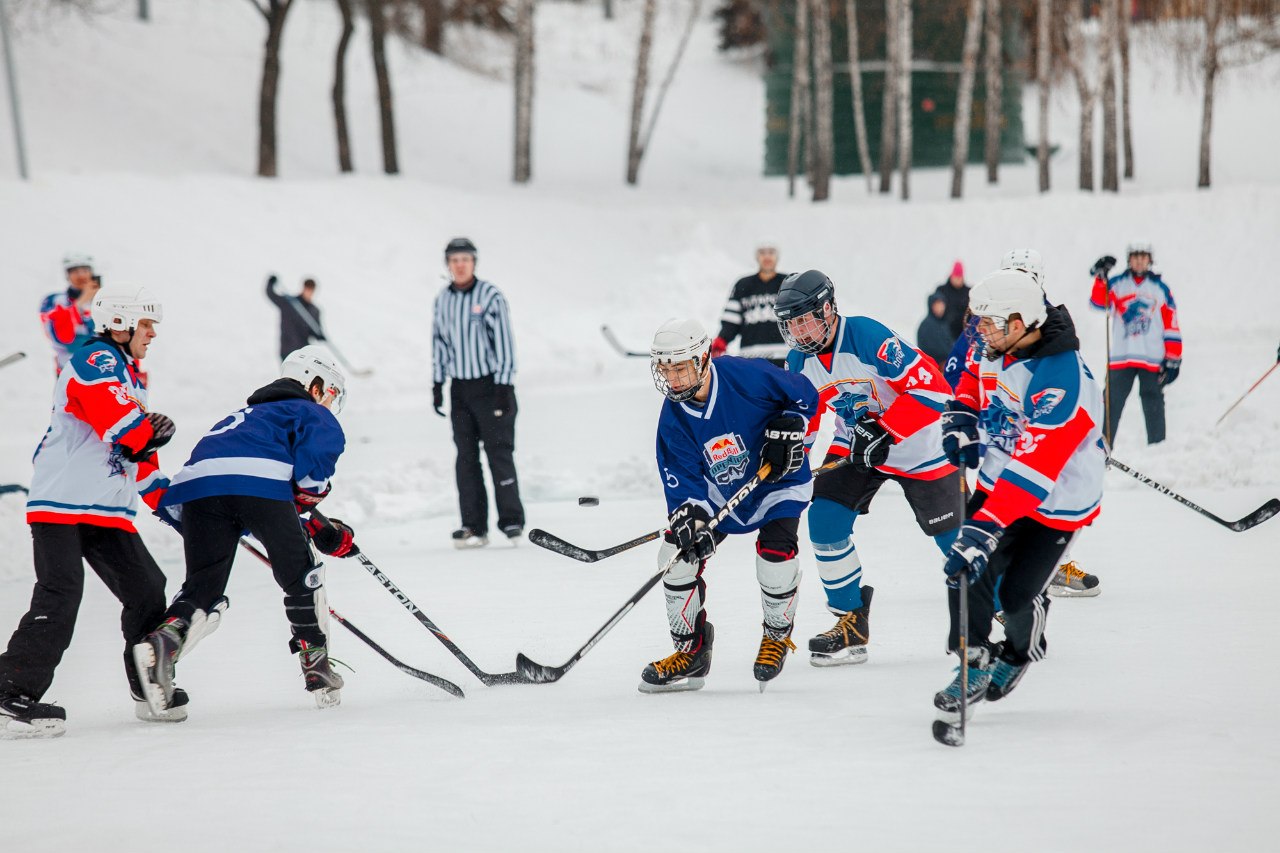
[
  {"x": 11, "y": 358},
  {"x": 617, "y": 345},
  {"x": 13, "y": 487},
  {"x": 552, "y": 542},
  {"x": 443, "y": 684},
  {"x": 538, "y": 673},
  {"x": 1253, "y": 519},
  {"x": 1245, "y": 394},
  {"x": 319, "y": 333},
  {"x": 943, "y": 732}
]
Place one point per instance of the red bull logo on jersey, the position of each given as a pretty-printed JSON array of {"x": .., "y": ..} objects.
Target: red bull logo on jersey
[
  {"x": 891, "y": 352},
  {"x": 103, "y": 360},
  {"x": 1046, "y": 401},
  {"x": 728, "y": 458}
]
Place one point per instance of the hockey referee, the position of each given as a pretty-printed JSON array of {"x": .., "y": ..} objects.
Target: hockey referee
[
  {"x": 472, "y": 346},
  {"x": 748, "y": 312}
]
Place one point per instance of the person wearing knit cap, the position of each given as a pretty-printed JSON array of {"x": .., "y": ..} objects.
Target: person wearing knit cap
[{"x": 956, "y": 294}]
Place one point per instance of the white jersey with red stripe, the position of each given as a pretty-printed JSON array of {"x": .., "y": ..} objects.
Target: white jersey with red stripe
[
  {"x": 99, "y": 411},
  {"x": 1041, "y": 417},
  {"x": 1144, "y": 320},
  {"x": 872, "y": 371}
]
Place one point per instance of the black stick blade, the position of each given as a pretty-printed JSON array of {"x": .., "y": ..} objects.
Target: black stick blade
[
  {"x": 1259, "y": 515},
  {"x": 537, "y": 673},
  {"x": 947, "y": 734},
  {"x": 551, "y": 542}
]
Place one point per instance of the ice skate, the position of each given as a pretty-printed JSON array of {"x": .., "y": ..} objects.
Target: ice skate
[
  {"x": 21, "y": 717},
  {"x": 321, "y": 681},
  {"x": 154, "y": 659},
  {"x": 465, "y": 537},
  {"x": 681, "y": 670},
  {"x": 846, "y": 641},
  {"x": 513, "y": 532},
  {"x": 1004, "y": 678},
  {"x": 1071, "y": 581},
  {"x": 947, "y": 700},
  {"x": 774, "y": 646}
]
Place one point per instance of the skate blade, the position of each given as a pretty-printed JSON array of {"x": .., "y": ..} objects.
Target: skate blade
[
  {"x": 947, "y": 734},
  {"x": 41, "y": 728},
  {"x": 845, "y": 657},
  {"x": 142, "y": 710},
  {"x": 327, "y": 697},
  {"x": 1056, "y": 591},
  {"x": 468, "y": 544},
  {"x": 144, "y": 661},
  {"x": 679, "y": 686}
]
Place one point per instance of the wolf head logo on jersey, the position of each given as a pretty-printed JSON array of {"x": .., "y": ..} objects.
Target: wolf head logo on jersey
[
  {"x": 1046, "y": 401},
  {"x": 851, "y": 405},
  {"x": 103, "y": 360},
  {"x": 1003, "y": 425},
  {"x": 728, "y": 458},
  {"x": 1136, "y": 314},
  {"x": 891, "y": 352}
]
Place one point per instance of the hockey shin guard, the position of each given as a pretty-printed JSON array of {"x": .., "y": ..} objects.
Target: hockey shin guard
[
  {"x": 304, "y": 604},
  {"x": 831, "y": 532},
  {"x": 684, "y": 590},
  {"x": 779, "y": 577}
]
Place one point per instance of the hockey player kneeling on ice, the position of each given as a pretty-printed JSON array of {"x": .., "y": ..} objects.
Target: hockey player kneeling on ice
[
  {"x": 888, "y": 399},
  {"x": 258, "y": 469},
  {"x": 1039, "y": 480},
  {"x": 720, "y": 422}
]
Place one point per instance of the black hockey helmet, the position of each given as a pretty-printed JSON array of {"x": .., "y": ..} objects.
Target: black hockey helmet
[
  {"x": 460, "y": 246},
  {"x": 801, "y": 294}
]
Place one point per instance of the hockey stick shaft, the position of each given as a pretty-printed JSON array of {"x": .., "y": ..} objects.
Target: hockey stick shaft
[
  {"x": 319, "y": 333},
  {"x": 541, "y": 674},
  {"x": 1245, "y": 394},
  {"x": 11, "y": 358},
  {"x": 964, "y": 617},
  {"x": 617, "y": 345},
  {"x": 1253, "y": 519},
  {"x": 444, "y": 684}
]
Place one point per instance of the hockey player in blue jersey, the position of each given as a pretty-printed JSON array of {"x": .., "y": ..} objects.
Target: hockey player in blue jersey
[
  {"x": 720, "y": 422},
  {"x": 258, "y": 469}
]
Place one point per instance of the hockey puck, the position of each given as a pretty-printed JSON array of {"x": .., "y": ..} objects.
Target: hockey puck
[{"x": 588, "y": 500}]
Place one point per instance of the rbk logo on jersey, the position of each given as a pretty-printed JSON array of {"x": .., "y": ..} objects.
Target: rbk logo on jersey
[
  {"x": 1046, "y": 401},
  {"x": 103, "y": 360},
  {"x": 891, "y": 352},
  {"x": 728, "y": 458}
]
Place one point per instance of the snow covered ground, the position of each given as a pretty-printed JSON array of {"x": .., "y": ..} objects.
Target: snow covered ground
[{"x": 1148, "y": 727}]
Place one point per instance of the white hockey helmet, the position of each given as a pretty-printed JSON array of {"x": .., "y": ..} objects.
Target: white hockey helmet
[
  {"x": 1013, "y": 291},
  {"x": 1027, "y": 260},
  {"x": 314, "y": 362},
  {"x": 1140, "y": 247},
  {"x": 72, "y": 260},
  {"x": 680, "y": 341},
  {"x": 120, "y": 311}
]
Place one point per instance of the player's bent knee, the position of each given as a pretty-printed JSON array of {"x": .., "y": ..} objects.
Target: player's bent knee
[
  {"x": 777, "y": 576},
  {"x": 830, "y": 522}
]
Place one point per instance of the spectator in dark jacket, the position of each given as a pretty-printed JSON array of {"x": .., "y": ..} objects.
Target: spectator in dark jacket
[
  {"x": 956, "y": 294},
  {"x": 934, "y": 336},
  {"x": 299, "y": 316}
]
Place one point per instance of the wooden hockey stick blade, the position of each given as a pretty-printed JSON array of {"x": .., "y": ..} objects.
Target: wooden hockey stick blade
[
  {"x": 551, "y": 542},
  {"x": 617, "y": 345}
]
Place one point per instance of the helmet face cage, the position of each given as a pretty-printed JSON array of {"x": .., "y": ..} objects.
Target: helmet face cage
[
  {"x": 689, "y": 372},
  {"x": 812, "y": 326}
]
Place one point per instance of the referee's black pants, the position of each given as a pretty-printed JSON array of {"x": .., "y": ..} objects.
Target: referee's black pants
[
  {"x": 472, "y": 413},
  {"x": 44, "y": 633}
]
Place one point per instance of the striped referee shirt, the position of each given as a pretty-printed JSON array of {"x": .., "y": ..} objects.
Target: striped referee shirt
[{"x": 471, "y": 335}]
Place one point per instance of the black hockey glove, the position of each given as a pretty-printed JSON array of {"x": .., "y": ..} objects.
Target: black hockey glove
[
  {"x": 335, "y": 538},
  {"x": 1169, "y": 370},
  {"x": 972, "y": 550},
  {"x": 504, "y": 400},
  {"x": 960, "y": 435},
  {"x": 161, "y": 431},
  {"x": 694, "y": 541},
  {"x": 272, "y": 281},
  {"x": 306, "y": 501},
  {"x": 437, "y": 399},
  {"x": 783, "y": 446},
  {"x": 871, "y": 443},
  {"x": 1102, "y": 266}
]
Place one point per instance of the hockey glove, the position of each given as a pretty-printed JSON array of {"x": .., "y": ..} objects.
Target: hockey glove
[
  {"x": 161, "y": 431},
  {"x": 306, "y": 501},
  {"x": 504, "y": 400},
  {"x": 719, "y": 347},
  {"x": 960, "y": 435},
  {"x": 335, "y": 538},
  {"x": 972, "y": 550},
  {"x": 693, "y": 539},
  {"x": 1102, "y": 266},
  {"x": 437, "y": 399},
  {"x": 1169, "y": 370},
  {"x": 783, "y": 446},
  {"x": 272, "y": 281},
  {"x": 871, "y": 443}
]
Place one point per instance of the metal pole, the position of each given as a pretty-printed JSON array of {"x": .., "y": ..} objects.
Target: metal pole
[{"x": 15, "y": 110}]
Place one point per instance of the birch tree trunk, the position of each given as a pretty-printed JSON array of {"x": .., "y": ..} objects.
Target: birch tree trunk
[
  {"x": 1076, "y": 55},
  {"x": 964, "y": 98},
  {"x": 855, "y": 85},
  {"x": 1122, "y": 32},
  {"x": 386, "y": 104},
  {"x": 799, "y": 94},
  {"x": 340, "y": 88},
  {"x": 274, "y": 13},
  {"x": 433, "y": 15},
  {"x": 523, "y": 168},
  {"x": 889, "y": 106},
  {"x": 904, "y": 97},
  {"x": 995, "y": 90},
  {"x": 1110, "y": 132},
  {"x": 824, "y": 140},
  {"x": 1044, "y": 64},
  {"x": 634, "y": 152},
  {"x": 1211, "y": 65},
  {"x": 695, "y": 10}
]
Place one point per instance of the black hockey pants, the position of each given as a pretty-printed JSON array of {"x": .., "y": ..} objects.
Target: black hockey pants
[
  {"x": 44, "y": 633},
  {"x": 1150, "y": 392},
  {"x": 471, "y": 411},
  {"x": 211, "y": 530}
]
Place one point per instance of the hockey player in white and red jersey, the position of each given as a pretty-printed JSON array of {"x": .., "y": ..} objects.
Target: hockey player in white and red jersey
[
  {"x": 97, "y": 456},
  {"x": 888, "y": 398},
  {"x": 66, "y": 316},
  {"x": 1039, "y": 480}
]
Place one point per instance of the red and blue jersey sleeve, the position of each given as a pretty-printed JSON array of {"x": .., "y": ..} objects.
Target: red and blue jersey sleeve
[
  {"x": 1101, "y": 289},
  {"x": 1169, "y": 319},
  {"x": 100, "y": 394},
  {"x": 922, "y": 391}
]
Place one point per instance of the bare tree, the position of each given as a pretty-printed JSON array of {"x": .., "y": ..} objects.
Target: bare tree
[
  {"x": 433, "y": 17},
  {"x": 524, "y": 91},
  {"x": 799, "y": 94},
  {"x": 889, "y": 105},
  {"x": 274, "y": 13},
  {"x": 1077, "y": 58},
  {"x": 994, "y": 67},
  {"x": 904, "y": 96},
  {"x": 1122, "y": 34},
  {"x": 855, "y": 84},
  {"x": 964, "y": 98},
  {"x": 386, "y": 105},
  {"x": 634, "y": 151},
  {"x": 1107, "y": 50},
  {"x": 340, "y": 87},
  {"x": 824, "y": 141},
  {"x": 1044, "y": 59}
]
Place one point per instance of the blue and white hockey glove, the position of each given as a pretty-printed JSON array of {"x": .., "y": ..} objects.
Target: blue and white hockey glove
[
  {"x": 694, "y": 541},
  {"x": 1169, "y": 370},
  {"x": 871, "y": 443},
  {"x": 783, "y": 446},
  {"x": 972, "y": 550},
  {"x": 960, "y": 435}
]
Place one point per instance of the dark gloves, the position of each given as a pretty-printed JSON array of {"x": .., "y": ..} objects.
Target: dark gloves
[
  {"x": 161, "y": 431},
  {"x": 783, "y": 446},
  {"x": 1169, "y": 370},
  {"x": 972, "y": 550},
  {"x": 1102, "y": 266},
  {"x": 306, "y": 501},
  {"x": 504, "y": 400},
  {"x": 333, "y": 538},
  {"x": 437, "y": 398},
  {"x": 719, "y": 347},
  {"x": 960, "y": 435},
  {"x": 272, "y": 281},
  {"x": 871, "y": 443},
  {"x": 693, "y": 539}
]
